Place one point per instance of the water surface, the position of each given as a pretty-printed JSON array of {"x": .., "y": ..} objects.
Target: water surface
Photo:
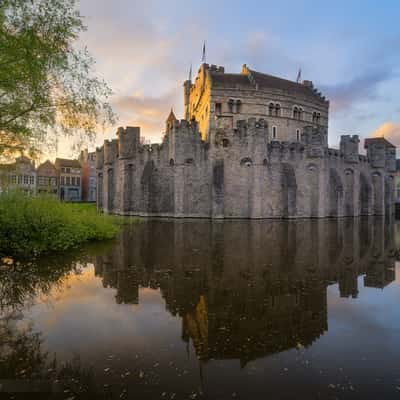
[{"x": 217, "y": 310}]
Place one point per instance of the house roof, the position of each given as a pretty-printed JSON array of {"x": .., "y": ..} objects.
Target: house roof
[
  {"x": 269, "y": 81},
  {"x": 63, "y": 162},
  {"x": 230, "y": 80},
  {"x": 378, "y": 140},
  {"x": 252, "y": 78}
]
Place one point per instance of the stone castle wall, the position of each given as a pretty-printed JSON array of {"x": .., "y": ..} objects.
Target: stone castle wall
[{"x": 241, "y": 173}]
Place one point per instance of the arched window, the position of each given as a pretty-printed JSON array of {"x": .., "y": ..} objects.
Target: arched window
[
  {"x": 238, "y": 106},
  {"x": 271, "y": 109},
  {"x": 274, "y": 133},
  {"x": 295, "y": 112},
  {"x": 298, "y": 135},
  {"x": 230, "y": 105},
  {"x": 300, "y": 114},
  {"x": 278, "y": 110},
  {"x": 316, "y": 117}
]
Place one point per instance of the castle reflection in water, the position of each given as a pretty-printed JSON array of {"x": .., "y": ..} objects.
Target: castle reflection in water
[{"x": 248, "y": 289}]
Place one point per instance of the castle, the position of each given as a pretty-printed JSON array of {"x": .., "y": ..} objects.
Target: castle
[{"x": 251, "y": 146}]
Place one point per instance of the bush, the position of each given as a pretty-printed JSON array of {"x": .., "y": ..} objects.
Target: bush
[{"x": 31, "y": 226}]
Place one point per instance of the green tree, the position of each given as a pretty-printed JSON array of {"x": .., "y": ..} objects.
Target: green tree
[{"x": 46, "y": 82}]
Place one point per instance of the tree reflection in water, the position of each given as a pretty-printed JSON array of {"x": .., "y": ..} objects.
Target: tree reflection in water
[{"x": 242, "y": 289}]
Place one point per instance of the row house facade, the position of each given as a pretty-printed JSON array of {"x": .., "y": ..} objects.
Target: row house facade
[
  {"x": 21, "y": 174},
  {"x": 69, "y": 180},
  {"x": 70, "y": 186}
]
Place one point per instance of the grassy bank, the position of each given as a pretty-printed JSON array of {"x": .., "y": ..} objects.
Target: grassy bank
[{"x": 31, "y": 226}]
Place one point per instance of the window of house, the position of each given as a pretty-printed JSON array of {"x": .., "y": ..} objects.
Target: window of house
[
  {"x": 298, "y": 135},
  {"x": 68, "y": 170},
  {"x": 62, "y": 180},
  {"x": 78, "y": 181},
  {"x": 14, "y": 179},
  {"x": 278, "y": 110},
  {"x": 300, "y": 113},
  {"x": 32, "y": 180},
  {"x": 218, "y": 108},
  {"x": 295, "y": 112},
  {"x": 274, "y": 133},
  {"x": 73, "y": 181},
  {"x": 68, "y": 180},
  {"x": 62, "y": 169}
]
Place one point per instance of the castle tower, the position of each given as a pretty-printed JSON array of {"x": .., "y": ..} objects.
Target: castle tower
[{"x": 169, "y": 123}]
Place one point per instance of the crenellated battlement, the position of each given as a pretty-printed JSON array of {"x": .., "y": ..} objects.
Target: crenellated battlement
[
  {"x": 128, "y": 141},
  {"x": 99, "y": 157},
  {"x": 110, "y": 151},
  {"x": 185, "y": 127},
  {"x": 241, "y": 173}
]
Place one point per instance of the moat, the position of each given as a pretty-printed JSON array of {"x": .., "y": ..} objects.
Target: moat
[{"x": 305, "y": 309}]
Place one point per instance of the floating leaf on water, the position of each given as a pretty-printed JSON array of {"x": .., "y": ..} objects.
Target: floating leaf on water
[{"x": 106, "y": 369}]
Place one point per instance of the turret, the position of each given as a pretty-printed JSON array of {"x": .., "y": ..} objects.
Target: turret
[
  {"x": 99, "y": 157},
  {"x": 128, "y": 141},
  {"x": 110, "y": 151},
  {"x": 315, "y": 140},
  {"x": 169, "y": 123},
  {"x": 381, "y": 153},
  {"x": 349, "y": 148},
  {"x": 186, "y": 97}
]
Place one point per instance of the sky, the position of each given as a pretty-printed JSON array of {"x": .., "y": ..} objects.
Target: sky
[{"x": 349, "y": 49}]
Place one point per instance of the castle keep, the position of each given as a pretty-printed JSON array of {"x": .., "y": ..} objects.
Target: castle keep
[{"x": 251, "y": 146}]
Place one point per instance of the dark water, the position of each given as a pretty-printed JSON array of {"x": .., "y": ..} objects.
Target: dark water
[{"x": 216, "y": 310}]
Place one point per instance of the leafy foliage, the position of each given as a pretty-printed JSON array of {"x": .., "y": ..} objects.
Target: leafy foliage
[
  {"x": 45, "y": 81},
  {"x": 30, "y": 226}
]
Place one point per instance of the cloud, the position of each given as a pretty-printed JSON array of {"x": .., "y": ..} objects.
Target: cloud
[
  {"x": 390, "y": 131},
  {"x": 147, "y": 112},
  {"x": 364, "y": 87}
]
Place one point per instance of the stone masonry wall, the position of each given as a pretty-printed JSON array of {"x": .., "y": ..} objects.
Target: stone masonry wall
[{"x": 241, "y": 173}]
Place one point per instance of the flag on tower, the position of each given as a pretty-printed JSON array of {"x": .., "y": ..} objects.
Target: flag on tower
[
  {"x": 203, "y": 57},
  {"x": 298, "y": 76}
]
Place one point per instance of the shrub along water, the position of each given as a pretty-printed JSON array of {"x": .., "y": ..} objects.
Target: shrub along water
[{"x": 31, "y": 226}]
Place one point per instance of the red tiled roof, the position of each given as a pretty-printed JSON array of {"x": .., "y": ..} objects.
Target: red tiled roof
[
  {"x": 63, "y": 162},
  {"x": 378, "y": 140}
]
